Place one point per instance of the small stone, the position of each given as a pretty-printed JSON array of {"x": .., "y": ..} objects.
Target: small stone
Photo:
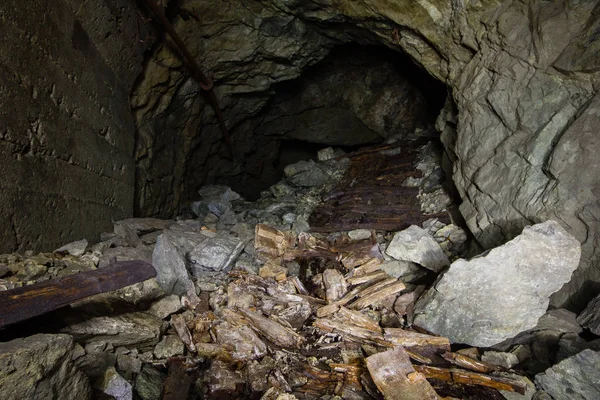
[
  {"x": 590, "y": 317},
  {"x": 149, "y": 382},
  {"x": 281, "y": 189},
  {"x": 215, "y": 255},
  {"x": 505, "y": 360},
  {"x": 359, "y": 234},
  {"x": 576, "y": 377},
  {"x": 166, "y": 306},
  {"x": 416, "y": 245},
  {"x": 76, "y": 249},
  {"x": 78, "y": 351},
  {"x": 115, "y": 385},
  {"x": 406, "y": 270},
  {"x": 169, "y": 346},
  {"x": 325, "y": 154},
  {"x": 305, "y": 174},
  {"x": 129, "y": 365}
]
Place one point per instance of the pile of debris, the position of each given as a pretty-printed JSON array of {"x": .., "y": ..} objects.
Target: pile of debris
[{"x": 248, "y": 302}]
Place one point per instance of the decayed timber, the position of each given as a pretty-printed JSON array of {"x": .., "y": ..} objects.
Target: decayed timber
[
  {"x": 396, "y": 378},
  {"x": 371, "y": 195},
  {"x": 273, "y": 331},
  {"x": 461, "y": 376},
  {"x": 472, "y": 364},
  {"x": 29, "y": 301}
]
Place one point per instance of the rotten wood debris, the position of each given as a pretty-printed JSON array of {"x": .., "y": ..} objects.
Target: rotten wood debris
[
  {"x": 337, "y": 328},
  {"x": 372, "y": 195}
]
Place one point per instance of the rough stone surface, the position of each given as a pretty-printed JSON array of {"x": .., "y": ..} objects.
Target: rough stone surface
[
  {"x": 114, "y": 385},
  {"x": 169, "y": 346},
  {"x": 590, "y": 317},
  {"x": 172, "y": 274},
  {"x": 166, "y": 306},
  {"x": 488, "y": 299},
  {"x": 416, "y": 245},
  {"x": 67, "y": 135},
  {"x": 40, "y": 367},
  {"x": 76, "y": 248},
  {"x": 575, "y": 378},
  {"x": 148, "y": 384}
]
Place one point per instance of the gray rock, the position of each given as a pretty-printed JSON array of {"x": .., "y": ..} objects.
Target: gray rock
[
  {"x": 416, "y": 245},
  {"x": 215, "y": 255},
  {"x": 359, "y": 234},
  {"x": 76, "y": 249},
  {"x": 169, "y": 346},
  {"x": 495, "y": 297},
  {"x": 505, "y": 360},
  {"x": 305, "y": 174},
  {"x": 406, "y": 270},
  {"x": 281, "y": 189},
  {"x": 215, "y": 199},
  {"x": 41, "y": 367},
  {"x": 185, "y": 241},
  {"x": 590, "y": 317},
  {"x": 114, "y": 385},
  {"x": 129, "y": 365},
  {"x": 575, "y": 378},
  {"x": 559, "y": 320},
  {"x": 166, "y": 306},
  {"x": 571, "y": 344},
  {"x": 148, "y": 384},
  {"x": 137, "y": 329},
  {"x": 172, "y": 274}
]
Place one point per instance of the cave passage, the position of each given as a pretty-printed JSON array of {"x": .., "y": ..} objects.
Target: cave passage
[{"x": 357, "y": 96}]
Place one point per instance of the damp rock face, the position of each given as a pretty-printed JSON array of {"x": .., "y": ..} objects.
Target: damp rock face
[
  {"x": 40, "y": 367},
  {"x": 576, "y": 377},
  {"x": 494, "y": 297}
]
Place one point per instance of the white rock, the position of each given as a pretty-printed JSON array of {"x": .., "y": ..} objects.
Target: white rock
[
  {"x": 76, "y": 249},
  {"x": 488, "y": 299},
  {"x": 416, "y": 245}
]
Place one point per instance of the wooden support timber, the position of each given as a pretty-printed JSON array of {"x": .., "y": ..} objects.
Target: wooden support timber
[
  {"x": 26, "y": 302},
  {"x": 371, "y": 195}
]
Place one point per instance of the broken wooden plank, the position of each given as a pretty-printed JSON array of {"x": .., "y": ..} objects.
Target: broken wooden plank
[
  {"x": 273, "y": 331},
  {"x": 469, "y": 363},
  {"x": 407, "y": 339},
  {"x": 396, "y": 378},
  {"x": 270, "y": 242},
  {"x": 375, "y": 297},
  {"x": 20, "y": 304},
  {"x": 351, "y": 332},
  {"x": 461, "y": 376},
  {"x": 335, "y": 285}
]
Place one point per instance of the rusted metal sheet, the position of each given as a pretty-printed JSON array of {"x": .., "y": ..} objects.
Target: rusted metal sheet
[{"x": 26, "y": 302}]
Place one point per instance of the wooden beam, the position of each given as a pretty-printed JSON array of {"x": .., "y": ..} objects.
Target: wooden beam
[{"x": 26, "y": 302}]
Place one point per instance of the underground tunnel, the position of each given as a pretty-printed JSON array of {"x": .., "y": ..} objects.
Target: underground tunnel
[{"x": 299, "y": 200}]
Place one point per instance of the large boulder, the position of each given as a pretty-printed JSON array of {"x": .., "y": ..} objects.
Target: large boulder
[
  {"x": 494, "y": 297},
  {"x": 40, "y": 367}
]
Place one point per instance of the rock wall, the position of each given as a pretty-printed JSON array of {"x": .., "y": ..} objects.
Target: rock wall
[
  {"x": 520, "y": 127},
  {"x": 67, "y": 135}
]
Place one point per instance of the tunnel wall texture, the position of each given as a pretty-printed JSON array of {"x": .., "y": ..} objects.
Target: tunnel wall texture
[{"x": 66, "y": 132}]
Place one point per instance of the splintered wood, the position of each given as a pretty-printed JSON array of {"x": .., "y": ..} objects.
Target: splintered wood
[{"x": 324, "y": 332}]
